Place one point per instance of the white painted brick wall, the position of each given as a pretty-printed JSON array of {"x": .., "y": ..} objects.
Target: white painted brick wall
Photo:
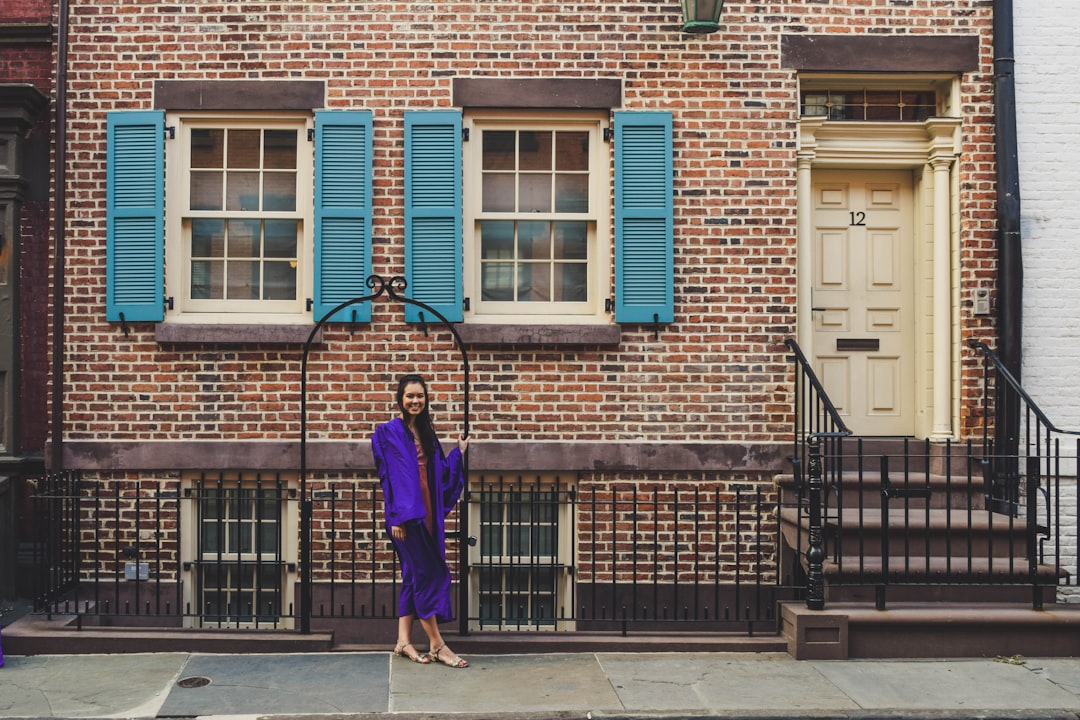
[
  {"x": 1048, "y": 126},
  {"x": 1048, "y": 119}
]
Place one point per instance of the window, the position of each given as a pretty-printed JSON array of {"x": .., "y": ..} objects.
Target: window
[
  {"x": 264, "y": 225},
  {"x": 521, "y": 568},
  {"x": 534, "y": 254},
  {"x": 259, "y": 233},
  {"x": 242, "y": 530},
  {"x": 240, "y": 214},
  {"x": 873, "y": 98},
  {"x": 536, "y": 219}
]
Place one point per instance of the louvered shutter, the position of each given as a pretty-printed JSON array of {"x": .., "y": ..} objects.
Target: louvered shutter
[
  {"x": 433, "y": 212},
  {"x": 135, "y": 216},
  {"x": 644, "y": 224},
  {"x": 343, "y": 170}
]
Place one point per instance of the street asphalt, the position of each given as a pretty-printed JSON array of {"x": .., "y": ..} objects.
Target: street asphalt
[{"x": 602, "y": 686}]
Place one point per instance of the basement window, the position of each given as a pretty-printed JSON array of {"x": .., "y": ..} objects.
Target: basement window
[
  {"x": 241, "y": 564},
  {"x": 520, "y": 575}
]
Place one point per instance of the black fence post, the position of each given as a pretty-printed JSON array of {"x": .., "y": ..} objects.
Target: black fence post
[
  {"x": 815, "y": 551},
  {"x": 1033, "y": 485}
]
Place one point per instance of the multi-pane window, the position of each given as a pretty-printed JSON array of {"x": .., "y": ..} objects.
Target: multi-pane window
[
  {"x": 243, "y": 216},
  {"x": 872, "y": 105},
  {"x": 240, "y": 573},
  {"x": 534, "y": 218},
  {"x": 521, "y": 567}
]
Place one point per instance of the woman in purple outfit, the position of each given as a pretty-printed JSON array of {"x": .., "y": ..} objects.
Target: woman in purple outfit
[{"x": 420, "y": 486}]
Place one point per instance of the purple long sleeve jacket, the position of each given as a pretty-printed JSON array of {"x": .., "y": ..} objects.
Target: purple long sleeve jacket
[{"x": 399, "y": 474}]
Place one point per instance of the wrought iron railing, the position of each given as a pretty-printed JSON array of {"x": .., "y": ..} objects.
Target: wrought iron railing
[
  {"x": 817, "y": 465},
  {"x": 923, "y": 516},
  {"x": 910, "y": 514},
  {"x": 213, "y": 550}
]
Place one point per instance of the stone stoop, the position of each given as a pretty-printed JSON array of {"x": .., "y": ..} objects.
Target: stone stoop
[{"x": 930, "y": 630}]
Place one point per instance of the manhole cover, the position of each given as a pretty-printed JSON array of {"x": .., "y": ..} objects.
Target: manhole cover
[{"x": 193, "y": 682}]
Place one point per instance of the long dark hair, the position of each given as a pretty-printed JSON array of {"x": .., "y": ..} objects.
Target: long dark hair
[{"x": 424, "y": 425}]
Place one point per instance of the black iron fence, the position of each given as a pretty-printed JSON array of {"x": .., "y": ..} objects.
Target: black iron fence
[
  {"x": 591, "y": 552},
  {"x": 528, "y": 553},
  {"x": 925, "y": 515},
  {"x": 996, "y": 513}
]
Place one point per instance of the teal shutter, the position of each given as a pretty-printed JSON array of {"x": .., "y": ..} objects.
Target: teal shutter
[
  {"x": 135, "y": 216},
  {"x": 644, "y": 218},
  {"x": 343, "y": 170},
  {"x": 433, "y": 212}
]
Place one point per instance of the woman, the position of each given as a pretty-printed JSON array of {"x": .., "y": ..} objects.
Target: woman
[{"x": 420, "y": 487}]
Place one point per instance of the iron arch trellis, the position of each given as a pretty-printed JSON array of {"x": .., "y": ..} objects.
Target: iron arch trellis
[{"x": 393, "y": 289}]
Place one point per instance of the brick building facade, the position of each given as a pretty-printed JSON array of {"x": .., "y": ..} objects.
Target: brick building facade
[
  {"x": 25, "y": 87},
  {"x": 623, "y": 221}
]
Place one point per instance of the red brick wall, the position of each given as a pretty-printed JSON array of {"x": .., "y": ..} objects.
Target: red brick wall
[
  {"x": 16, "y": 11},
  {"x": 718, "y": 373}
]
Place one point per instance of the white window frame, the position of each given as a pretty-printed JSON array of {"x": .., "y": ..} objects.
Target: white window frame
[
  {"x": 191, "y": 517},
  {"x": 597, "y": 218},
  {"x": 562, "y": 565},
  {"x": 178, "y": 233}
]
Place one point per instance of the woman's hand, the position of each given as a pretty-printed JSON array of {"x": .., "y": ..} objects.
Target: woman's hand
[
  {"x": 463, "y": 443},
  {"x": 397, "y": 532}
]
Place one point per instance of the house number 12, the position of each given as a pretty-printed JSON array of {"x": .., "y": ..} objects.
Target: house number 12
[{"x": 858, "y": 219}]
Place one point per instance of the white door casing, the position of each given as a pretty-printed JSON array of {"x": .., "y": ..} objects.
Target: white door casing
[{"x": 927, "y": 152}]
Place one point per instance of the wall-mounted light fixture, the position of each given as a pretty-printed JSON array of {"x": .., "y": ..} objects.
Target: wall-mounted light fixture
[{"x": 701, "y": 16}]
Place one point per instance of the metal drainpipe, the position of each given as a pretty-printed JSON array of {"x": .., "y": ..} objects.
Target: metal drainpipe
[
  {"x": 1010, "y": 259},
  {"x": 59, "y": 246}
]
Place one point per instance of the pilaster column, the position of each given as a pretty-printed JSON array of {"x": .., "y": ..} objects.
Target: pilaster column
[
  {"x": 805, "y": 231},
  {"x": 941, "y": 159}
]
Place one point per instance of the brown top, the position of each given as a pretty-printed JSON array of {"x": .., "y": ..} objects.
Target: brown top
[{"x": 421, "y": 459}]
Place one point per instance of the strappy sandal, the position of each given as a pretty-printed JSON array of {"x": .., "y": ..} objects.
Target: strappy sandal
[
  {"x": 453, "y": 662},
  {"x": 415, "y": 655}
]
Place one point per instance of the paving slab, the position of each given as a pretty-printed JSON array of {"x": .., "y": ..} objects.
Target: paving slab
[
  {"x": 316, "y": 683},
  {"x": 719, "y": 682},
  {"x": 503, "y": 683},
  {"x": 75, "y": 686},
  {"x": 946, "y": 685},
  {"x": 1062, "y": 672}
]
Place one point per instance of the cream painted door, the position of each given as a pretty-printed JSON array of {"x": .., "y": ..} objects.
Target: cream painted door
[{"x": 863, "y": 297}]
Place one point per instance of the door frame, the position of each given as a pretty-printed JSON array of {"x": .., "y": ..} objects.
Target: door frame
[{"x": 930, "y": 149}]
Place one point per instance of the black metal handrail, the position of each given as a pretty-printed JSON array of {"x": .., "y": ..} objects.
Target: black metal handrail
[
  {"x": 809, "y": 392},
  {"x": 1015, "y": 386},
  {"x": 1016, "y": 417},
  {"x": 819, "y": 433}
]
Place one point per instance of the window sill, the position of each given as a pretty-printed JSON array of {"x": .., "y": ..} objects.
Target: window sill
[
  {"x": 538, "y": 335},
  {"x": 239, "y": 334}
]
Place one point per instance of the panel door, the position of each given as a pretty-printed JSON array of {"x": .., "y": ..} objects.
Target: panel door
[{"x": 863, "y": 297}]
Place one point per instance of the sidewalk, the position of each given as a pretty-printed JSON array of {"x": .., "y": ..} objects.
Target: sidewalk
[{"x": 559, "y": 685}]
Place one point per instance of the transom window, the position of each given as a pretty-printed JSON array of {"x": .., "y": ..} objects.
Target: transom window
[
  {"x": 534, "y": 220},
  {"x": 873, "y": 105},
  {"x": 242, "y": 222}
]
